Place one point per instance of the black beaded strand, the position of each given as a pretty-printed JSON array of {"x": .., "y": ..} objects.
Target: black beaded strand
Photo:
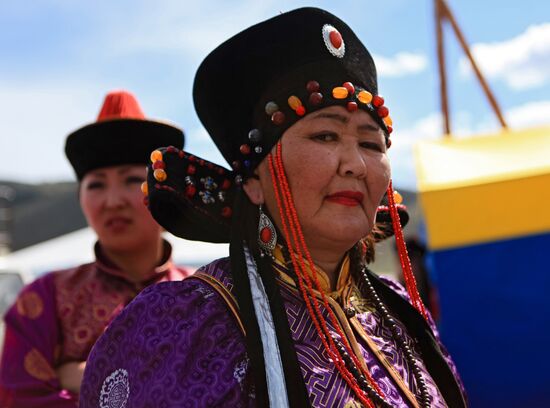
[
  {"x": 407, "y": 351},
  {"x": 360, "y": 378}
]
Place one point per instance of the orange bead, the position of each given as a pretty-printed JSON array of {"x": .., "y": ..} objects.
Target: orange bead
[
  {"x": 364, "y": 97},
  {"x": 340, "y": 92},
  {"x": 398, "y": 198},
  {"x": 144, "y": 188},
  {"x": 294, "y": 102},
  {"x": 388, "y": 121},
  {"x": 160, "y": 175},
  {"x": 156, "y": 156}
]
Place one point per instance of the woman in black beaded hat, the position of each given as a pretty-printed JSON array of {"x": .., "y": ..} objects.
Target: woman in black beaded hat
[{"x": 293, "y": 317}]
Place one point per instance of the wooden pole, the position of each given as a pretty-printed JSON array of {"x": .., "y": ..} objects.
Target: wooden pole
[
  {"x": 444, "y": 100},
  {"x": 445, "y": 12}
]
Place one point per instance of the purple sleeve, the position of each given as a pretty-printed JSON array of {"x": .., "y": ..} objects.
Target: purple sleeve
[
  {"x": 404, "y": 294},
  {"x": 176, "y": 344},
  {"x": 32, "y": 336}
]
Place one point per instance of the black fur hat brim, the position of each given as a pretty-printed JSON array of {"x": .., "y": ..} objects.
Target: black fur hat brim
[{"x": 117, "y": 142}]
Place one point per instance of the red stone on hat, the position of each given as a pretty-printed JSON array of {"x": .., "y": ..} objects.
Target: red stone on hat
[{"x": 335, "y": 39}]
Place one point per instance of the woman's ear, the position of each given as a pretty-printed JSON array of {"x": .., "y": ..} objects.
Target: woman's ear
[{"x": 253, "y": 189}]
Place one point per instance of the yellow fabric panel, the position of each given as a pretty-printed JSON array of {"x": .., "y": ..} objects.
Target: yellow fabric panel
[
  {"x": 451, "y": 163},
  {"x": 484, "y": 213}
]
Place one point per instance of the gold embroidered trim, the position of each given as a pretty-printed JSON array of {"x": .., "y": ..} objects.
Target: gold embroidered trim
[{"x": 228, "y": 298}]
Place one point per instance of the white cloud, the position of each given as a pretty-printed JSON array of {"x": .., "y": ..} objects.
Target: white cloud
[
  {"x": 522, "y": 62},
  {"x": 192, "y": 29},
  {"x": 529, "y": 114},
  {"x": 401, "y": 64},
  {"x": 465, "y": 124}
]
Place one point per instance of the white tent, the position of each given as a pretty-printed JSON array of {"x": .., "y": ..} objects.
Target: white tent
[{"x": 77, "y": 247}]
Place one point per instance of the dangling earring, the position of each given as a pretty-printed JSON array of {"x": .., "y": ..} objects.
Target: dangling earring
[{"x": 267, "y": 235}]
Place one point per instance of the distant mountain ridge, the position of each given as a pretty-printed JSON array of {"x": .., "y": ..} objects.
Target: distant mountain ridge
[{"x": 44, "y": 211}]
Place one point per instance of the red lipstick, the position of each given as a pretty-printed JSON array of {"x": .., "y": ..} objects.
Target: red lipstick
[{"x": 347, "y": 198}]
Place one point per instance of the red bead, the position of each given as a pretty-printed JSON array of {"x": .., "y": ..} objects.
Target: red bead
[
  {"x": 377, "y": 101},
  {"x": 190, "y": 191},
  {"x": 349, "y": 86},
  {"x": 220, "y": 171},
  {"x": 390, "y": 129},
  {"x": 236, "y": 165},
  {"x": 388, "y": 143},
  {"x": 226, "y": 184},
  {"x": 315, "y": 98},
  {"x": 300, "y": 111},
  {"x": 181, "y": 154},
  {"x": 146, "y": 201},
  {"x": 335, "y": 39},
  {"x": 191, "y": 158},
  {"x": 191, "y": 169},
  {"x": 210, "y": 165},
  {"x": 313, "y": 86},
  {"x": 352, "y": 106},
  {"x": 245, "y": 149},
  {"x": 201, "y": 162},
  {"x": 278, "y": 118},
  {"x": 383, "y": 111},
  {"x": 265, "y": 234},
  {"x": 226, "y": 212},
  {"x": 159, "y": 165},
  {"x": 171, "y": 149}
]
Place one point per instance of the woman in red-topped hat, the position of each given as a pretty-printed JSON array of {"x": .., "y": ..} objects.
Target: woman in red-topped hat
[{"x": 56, "y": 319}]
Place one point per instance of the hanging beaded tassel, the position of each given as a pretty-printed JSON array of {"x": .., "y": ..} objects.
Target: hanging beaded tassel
[{"x": 410, "y": 281}]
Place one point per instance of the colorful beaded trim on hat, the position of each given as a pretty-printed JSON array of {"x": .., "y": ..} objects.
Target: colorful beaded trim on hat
[
  {"x": 210, "y": 190},
  {"x": 352, "y": 96}
]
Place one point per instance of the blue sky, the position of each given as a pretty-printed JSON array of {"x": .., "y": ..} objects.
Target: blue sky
[{"x": 58, "y": 58}]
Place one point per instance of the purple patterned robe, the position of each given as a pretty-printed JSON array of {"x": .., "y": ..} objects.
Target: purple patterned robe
[
  {"x": 57, "y": 319},
  {"x": 179, "y": 345}
]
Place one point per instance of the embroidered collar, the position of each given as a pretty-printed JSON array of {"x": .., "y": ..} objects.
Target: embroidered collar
[
  {"x": 343, "y": 283},
  {"x": 106, "y": 265}
]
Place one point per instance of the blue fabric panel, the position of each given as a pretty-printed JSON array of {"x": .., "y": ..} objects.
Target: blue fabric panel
[{"x": 495, "y": 319}]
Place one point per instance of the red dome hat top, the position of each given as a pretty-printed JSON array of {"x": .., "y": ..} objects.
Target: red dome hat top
[
  {"x": 120, "y": 104},
  {"x": 121, "y": 135}
]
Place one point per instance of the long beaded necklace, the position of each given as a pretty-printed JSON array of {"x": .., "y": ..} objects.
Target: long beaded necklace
[
  {"x": 407, "y": 351},
  {"x": 425, "y": 399}
]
